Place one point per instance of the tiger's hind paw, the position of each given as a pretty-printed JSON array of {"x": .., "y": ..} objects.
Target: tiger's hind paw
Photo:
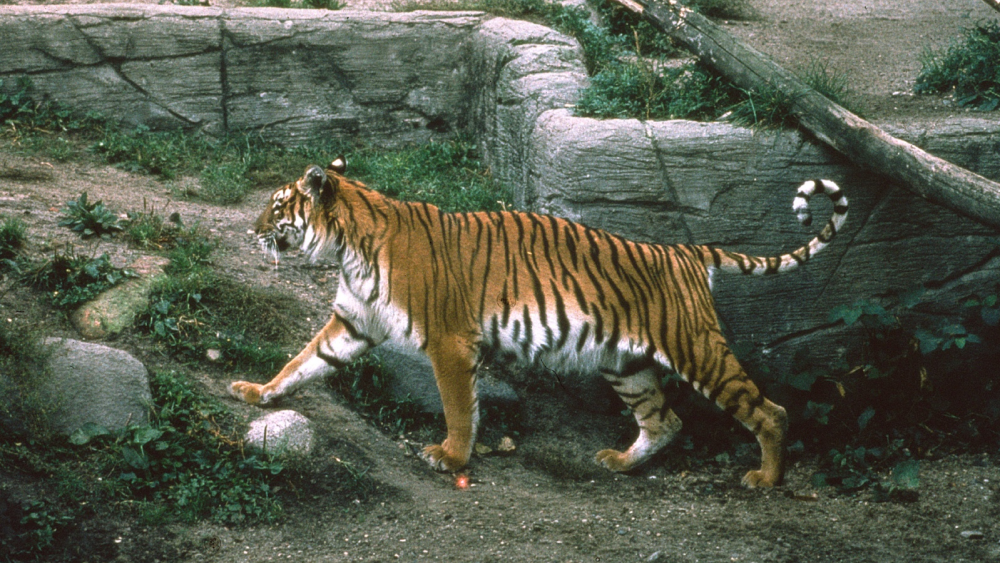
[
  {"x": 614, "y": 460},
  {"x": 759, "y": 478},
  {"x": 439, "y": 459},
  {"x": 247, "y": 392}
]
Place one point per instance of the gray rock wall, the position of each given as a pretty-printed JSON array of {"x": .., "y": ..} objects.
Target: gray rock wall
[
  {"x": 294, "y": 75},
  {"x": 712, "y": 183}
]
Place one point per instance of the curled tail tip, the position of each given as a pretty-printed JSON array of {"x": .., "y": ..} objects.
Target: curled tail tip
[{"x": 812, "y": 187}]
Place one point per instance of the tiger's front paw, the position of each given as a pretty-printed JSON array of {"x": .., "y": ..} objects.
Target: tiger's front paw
[
  {"x": 247, "y": 392},
  {"x": 614, "y": 460},
  {"x": 439, "y": 459}
]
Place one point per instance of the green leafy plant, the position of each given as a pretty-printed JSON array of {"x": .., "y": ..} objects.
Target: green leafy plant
[
  {"x": 896, "y": 392},
  {"x": 70, "y": 279},
  {"x": 195, "y": 310},
  {"x": 969, "y": 69},
  {"x": 854, "y": 469},
  {"x": 36, "y": 525},
  {"x": 89, "y": 219},
  {"x": 186, "y": 461}
]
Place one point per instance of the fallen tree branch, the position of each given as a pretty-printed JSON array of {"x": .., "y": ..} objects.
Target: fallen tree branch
[
  {"x": 995, "y": 4},
  {"x": 864, "y": 144}
]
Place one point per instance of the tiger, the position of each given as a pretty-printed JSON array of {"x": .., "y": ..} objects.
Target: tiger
[{"x": 537, "y": 288}]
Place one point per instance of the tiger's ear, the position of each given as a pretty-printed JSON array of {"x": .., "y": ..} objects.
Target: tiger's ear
[
  {"x": 339, "y": 165},
  {"x": 318, "y": 183}
]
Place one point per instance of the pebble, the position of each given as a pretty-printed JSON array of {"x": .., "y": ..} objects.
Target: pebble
[{"x": 972, "y": 535}]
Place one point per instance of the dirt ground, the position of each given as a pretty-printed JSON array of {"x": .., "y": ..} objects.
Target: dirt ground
[{"x": 517, "y": 509}]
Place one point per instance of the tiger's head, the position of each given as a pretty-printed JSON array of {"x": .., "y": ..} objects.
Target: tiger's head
[{"x": 288, "y": 220}]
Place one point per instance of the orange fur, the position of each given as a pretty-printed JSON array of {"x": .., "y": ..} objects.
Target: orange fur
[{"x": 536, "y": 287}]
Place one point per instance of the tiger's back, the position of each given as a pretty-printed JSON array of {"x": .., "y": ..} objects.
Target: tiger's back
[{"x": 537, "y": 287}]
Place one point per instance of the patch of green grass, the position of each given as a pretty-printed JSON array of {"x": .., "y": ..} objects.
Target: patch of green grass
[
  {"x": 625, "y": 58},
  {"x": 13, "y": 234},
  {"x": 766, "y": 107},
  {"x": 148, "y": 230},
  {"x": 225, "y": 182},
  {"x": 969, "y": 69},
  {"x": 834, "y": 86},
  {"x": 22, "y": 357},
  {"x": 724, "y": 9},
  {"x": 448, "y": 174},
  {"x": 196, "y": 309},
  {"x": 162, "y": 153},
  {"x": 648, "y": 91},
  {"x": 69, "y": 279},
  {"x": 186, "y": 465}
]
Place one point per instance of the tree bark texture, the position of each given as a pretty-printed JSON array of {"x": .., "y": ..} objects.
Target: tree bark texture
[{"x": 861, "y": 142}]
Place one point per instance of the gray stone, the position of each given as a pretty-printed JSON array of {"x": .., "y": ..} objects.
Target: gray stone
[
  {"x": 385, "y": 77},
  {"x": 281, "y": 432},
  {"x": 293, "y": 75},
  {"x": 523, "y": 70},
  {"x": 90, "y": 383},
  {"x": 145, "y": 64}
]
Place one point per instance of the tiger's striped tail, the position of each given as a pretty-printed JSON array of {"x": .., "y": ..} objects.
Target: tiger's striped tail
[{"x": 733, "y": 262}]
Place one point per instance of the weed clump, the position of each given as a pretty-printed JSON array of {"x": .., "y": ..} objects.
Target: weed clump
[
  {"x": 148, "y": 230},
  {"x": 649, "y": 90},
  {"x": 69, "y": 279},
  {"x": 13, "y": 234},
  {"x": 969, "y": 69},
  {"x": 89, "y": 219}
]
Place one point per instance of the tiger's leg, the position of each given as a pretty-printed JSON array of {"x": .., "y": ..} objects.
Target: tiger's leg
[
  {"x": 332, "y": 348},
  {"x": 455, "y": 366},
  {"x": 658, "y": 424},
  {"x": 734, "y": 392}
]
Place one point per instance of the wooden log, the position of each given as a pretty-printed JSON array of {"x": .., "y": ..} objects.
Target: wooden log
[
  {"x": 995, "y": 4},
  {"x": 861, "y": 142}
]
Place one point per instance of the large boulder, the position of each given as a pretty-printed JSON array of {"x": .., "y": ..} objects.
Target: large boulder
[
  {"x": 90, "y": 383},
  {"x": 412, "y": 378}
]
